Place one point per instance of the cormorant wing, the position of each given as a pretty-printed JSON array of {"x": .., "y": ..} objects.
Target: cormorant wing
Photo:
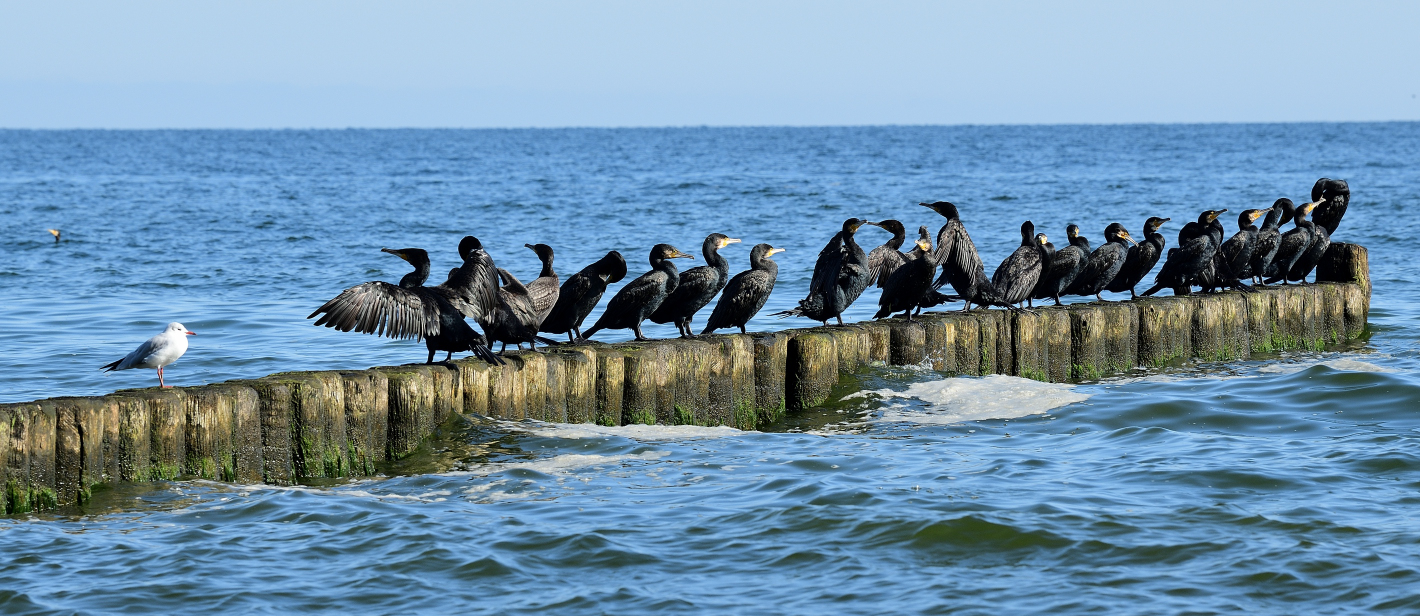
[
  {"x": 544, "y": 293},
  {"x": 829, "y": 265},
  {"x": 962, "y": 256},
  {"x": 474, "y": 286},
  {"x": 882, "y": 261},
  {"x": 382, "y": 309}
]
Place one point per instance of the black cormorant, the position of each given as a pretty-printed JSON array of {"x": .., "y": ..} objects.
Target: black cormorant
[
  {"x": 580, "y": 294},
  {"x": 1017, "y": 275},
  {"x": 908, "y": 284},
  {"x": 883, "y": 260},
  {"x": 1294, "y": 245},
  {"x": 961, "y": 264},
  {"x": 746, "y": 292},
  {"x": 543, "y": 290},
  {"x": 840, "y": 275},
  {"x": 1237, "y": 252},
  {"x": 697, "y": 286},
  {"x": 514, "y": 318},
  {"x": 1105, "y": 263},
  {"x": 1196, "y": 247},
  {"x": 1142, "y": 258},
  {"x": 1065, "y": 266},
  {"x": 406, "y": 310},
  {"x": 640, "y": 297},
  {"x": 1332, "y": 197},
  {"x": 1268, "y": 239},
  {"x": 1321, "y": 240}
]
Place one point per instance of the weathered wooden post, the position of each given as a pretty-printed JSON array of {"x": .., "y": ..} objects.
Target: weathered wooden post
[
  {"x": 534, "y": 378},
  {"x": 1104, "y": 339},
  {"x": 448, "y": 391},
  {"x": 579, "y": 383},
  {"x": 731, "y": 388},
  {"x": 987, "y": 323},
  {"x": 1220, "y": 327},
  {"x": 555, "y": 388},
  {"x": 506, "y": 393},
  {"x": 277, "y": 409},
  {"x": 771, "y": 358},
  {"x": 908, "y": 340},
  {"x": 80, "y": 456},
  {"x": 1031, "y": 337},
  {"x": 167, "y": 430},
  {"x": 210, "y": 452},
  {"x": 473, "y": 379},
  {"x": 1333, "y": 312},
  {"x": 367, "y": 410},
  {"x": 1290, "y": 330},
  {"x": 318, "y": 434},
  {"x": 853, "y": 344},
  {"x": 1356, "y": 307},
  {"x": 690, "y": 380},
  {"x": 611, "y": 385},
  {"x": 811, "y": 370},
  {"x": 649, "y": 394},
  {"x": 411, "y": 408},
  {"x": 1165, "y": 330},
  {"x": 1343, "y": 262},
  {"x": 939, "y": 342},
  {"x": 879, "y": 342},
  {"x": 30, "y": 482},
  {"x": 1259, "y": 321}
]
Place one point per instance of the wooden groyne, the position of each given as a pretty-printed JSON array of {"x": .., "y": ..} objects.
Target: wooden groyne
[{"x": 295, "y": 426}]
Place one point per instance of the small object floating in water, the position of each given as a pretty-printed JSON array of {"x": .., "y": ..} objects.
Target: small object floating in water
[
  {"x": 55, "y": 233},
  {"x": 158, "y": 351}
]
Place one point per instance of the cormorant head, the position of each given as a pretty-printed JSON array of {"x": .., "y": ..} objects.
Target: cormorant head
[
  {"x": 851, "y": 225},
  {"x": 544, "y": 252},
  {"x": 718, "y": 241},
  {"x": 1319, "y": 188},
  {"x": 1248, "y": 216},
  {"x": 1116, "y": 231},
  {"x": 414, "y": 256},
  {"x": 1027, "y": 233},
  {"x": 613, "y": 266},
  {"x": 945, "y": 208},
  {"x": 891, "y": 226},
  {"x": 1304, "y": 209},
  {"x": 1041, "y": 239},
  {"x": 1153, "y": 223},
  {"x": 1334, "y": 189},
  {"x": 925, "y": 245},
  {"x": 667, "y": 251},
  {"x": 763, "y": 251},
  {"x": 1072, "y": 230},
  {"x": 467, "y": 245},
  {"x": 1209, "y": 216}
]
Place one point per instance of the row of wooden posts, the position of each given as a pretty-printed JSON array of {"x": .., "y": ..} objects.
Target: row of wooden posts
[{"x": 294, "y": 426}]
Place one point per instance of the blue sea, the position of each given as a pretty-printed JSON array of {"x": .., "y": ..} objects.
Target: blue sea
[{"x": 1283, "y": 484}]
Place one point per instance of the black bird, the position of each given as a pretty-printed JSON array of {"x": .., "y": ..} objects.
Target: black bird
[
  {"x": 697, "y": 286},
  {"x": 1294, "y": 245},
  {"x": 1044, "y": 274},
  {"x": 1332, "y": 197},
  {"x": 543, "y": 290},
  {"x": 840, "y": 275},
  {"x": 580, "y": 294},
  {"x": 407, "y": 310},
  {"x": 907, "y": 285},
  {"x": 1196, "y": 247},
  {"x": 883, "y": 260},
  {"x": 1268, "y": 239},
  {"x": 1017, "y": 275},
  {"x": 961, "y": 264},
  {"x": 514, "y": 318},
  {"x": 746, "y": 292},
  {"x": 1105, "y": 263},
  {"x": 1142, "y": 258},
  {"x": 639, "y": 298},
  {"x": 1065, "y": 266},
  {"x": 1237, "y": 252},
  {"x": 1321, "y": 240}
]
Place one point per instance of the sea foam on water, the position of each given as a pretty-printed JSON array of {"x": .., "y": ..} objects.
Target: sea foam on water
[{"x": 962, "y": 399}]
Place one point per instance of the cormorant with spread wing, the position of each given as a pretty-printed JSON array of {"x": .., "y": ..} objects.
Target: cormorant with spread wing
[
  {"x": 580, "y": 294},
  {"x": 746, "y": 292},
  {"x": 641, "y": 297},
  {"x": 407, "y": 310},
  {"x": 961, "y": 264},
  {"x": 840, "y": 275},
  {"x": 697, "y": 286}
]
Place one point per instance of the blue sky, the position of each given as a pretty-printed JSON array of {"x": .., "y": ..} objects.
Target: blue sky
[{"x": 513, "y": 64}]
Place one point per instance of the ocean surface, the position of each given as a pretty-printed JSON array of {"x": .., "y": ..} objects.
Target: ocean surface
[{"x": 1284, "y": 484}]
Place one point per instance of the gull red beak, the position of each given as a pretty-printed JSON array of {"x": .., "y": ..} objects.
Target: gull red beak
[{"x": 192, "y": 333}]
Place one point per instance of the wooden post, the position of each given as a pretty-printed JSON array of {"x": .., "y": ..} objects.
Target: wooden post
[
  {"x": 611, "y": 385},
  {"x": 986, "y": 323},
  {"x": 853, "y": 344},
  {"x": 1343, "y": 262},
  {"x": 771, "y": 357},
  {"x": 1103, "y": 339},
  {"x": 1220, "y": 327},
  {"x": 448, "y": 392},
  {"x": 939, "y": 341},
  {"x": 812, "y": 369},
  {"x": 1357, "y": 306},
  {"x": 473, "y": 379},
  {"x": 506, "y": 394},
  {"x": 1333, "y": 312},
  {"x": 367, "y": 409},
  {"x": 1313, "y": 304},
  {"x": 908, "y": 341},
  {"x": 1165, "y": 330},
  {"x": 966, "y": 341},
  {"x": 579, "y": 383},
  {"x": 879, "y": 342},
  {"x": 210, "y": 453},
  {"x": 554, "y": 405},
  {"x": 691, "y": 378},
  {"x": 80, "y": 456},
  {"x": 167, "y": 430},
  {"x": 275, "y": 398},
  {"x": 649, "y": 394},
  {"x": 1259, "y": 321},
  {"x": 1291, "y": 329},
  {"x": 732, "y": 387},
  {"x": 533, "y": 374},
  {"x": 411, "y": 408},
  {"x": 30, "y": 471},
  {"x": 318, "y": 434}
]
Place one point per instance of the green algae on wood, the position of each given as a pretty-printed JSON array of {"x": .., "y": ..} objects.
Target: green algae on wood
[
  {"x": 811, "y": 370},
  {"x": 366, "y": 419},
  {"x": 611, "y": 379},
  {"x": 1165, "y": 330},
  {"x": 411, "y": 408},
  {"x": 318, "y": 433},
  {"x": 771, "y": 357},
  {"x": 1220, "y": 327},
  {"x": 908, "y": 340}
]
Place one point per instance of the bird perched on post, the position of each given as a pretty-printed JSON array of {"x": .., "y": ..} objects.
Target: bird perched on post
[
  {"x": 840, "y": 275},
  {"x": 580, "y": 294},
  {"x": 746, "y": 292},
  {"x": 159, "y": 351},
  {"x": 961, "y": 264}
]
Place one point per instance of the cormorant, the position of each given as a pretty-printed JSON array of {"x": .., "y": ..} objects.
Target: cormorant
[
  {"x": 1321, "y": 240},
  {"x": 1268, "y": 239},
  {"x": 1065, "y": 266},
  {"x": 1196, "y": 247},
  {"x": 1237, "y": 252},
  {"x": 1294, "y": 245},
  {"x": 697, "y": 286},
  {"x": 1044, "y": 274},
  {"x": 580, "y": 294},
  {"x": 639, "y": 298},
  {"x": 908, "y": 284},
  {"x": 1105, "y": 263},
  {"x": 746, "y": 292},
  {"x": 514, "y": 318},
  {"x": 840, "y": 275},
  {"x": 1142, "y": 258},
  {"x": 1332, "y": 197},
  {"x": 1017, "y": 275},
  {"x": 883, "y": 260},
  {"x": 543, "y": 290},
  {"x": 961, "y": 264},
  {"x": 408, "y": 310}
]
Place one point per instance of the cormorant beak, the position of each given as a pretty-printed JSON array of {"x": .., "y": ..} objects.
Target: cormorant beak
[
  {"x": 924, "y": 245},
  {"x": 1043, "y": 239},
  {"x": 680, "y": 255},
  {"x": 397, "y": 253},
  {"x": 1125, "y": 235},
  {"x": 530, "y": 246},
  {"x": 1256, "y": 214},
  {"x": 773, "y": 251},
  {"x": 727, "y": 241},
  {"x": 875, "y": 224}
]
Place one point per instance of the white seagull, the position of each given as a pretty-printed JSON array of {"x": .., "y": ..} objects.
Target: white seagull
[{"x": 158, "y": 351}]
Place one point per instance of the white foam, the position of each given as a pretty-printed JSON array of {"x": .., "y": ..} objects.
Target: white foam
[
  {"x": 640, "y": 432},
  {"x": 962, "y": 399},
  {"x": 560, "y": 465},
  {"x": 1344, "y": 364}
]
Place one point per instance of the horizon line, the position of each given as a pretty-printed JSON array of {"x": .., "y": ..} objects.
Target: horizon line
[{"x": 707, "y": 126}]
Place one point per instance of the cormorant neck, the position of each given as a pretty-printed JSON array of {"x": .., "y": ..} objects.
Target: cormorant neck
[
  {"x": 898, "y": 238},
  {"x": 546, "y": 268},
  {"x": 711, "y": 250},
  {"x": 417, "y": 277},
  {"x": 762, "y": 262}
]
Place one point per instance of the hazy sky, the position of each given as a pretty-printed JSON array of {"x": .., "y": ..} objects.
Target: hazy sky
[{"x": 527, "y": 63}]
